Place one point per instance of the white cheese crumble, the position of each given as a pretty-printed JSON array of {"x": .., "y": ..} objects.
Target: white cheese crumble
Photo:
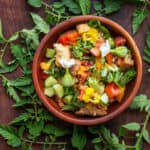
[
  {"x": 104, "y": 98},
  {"x": 105, "y": 48},
  {"x": 67, "y": 63}
]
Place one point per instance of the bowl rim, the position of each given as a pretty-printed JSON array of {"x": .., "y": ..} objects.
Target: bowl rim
[{"x": 88, "y": 121}]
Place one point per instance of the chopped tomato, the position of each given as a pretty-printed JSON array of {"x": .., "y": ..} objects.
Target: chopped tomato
[
  {"x": 68, "y": 37},
  {"x": 109, "y": 58},
  {"x": 95, "y": 51},
  {"x": 99, "y": 42},
  {"x": 44, "y": 75},
  {"x": 119, "y": 41},
  {"x": 112, "y": 90}
]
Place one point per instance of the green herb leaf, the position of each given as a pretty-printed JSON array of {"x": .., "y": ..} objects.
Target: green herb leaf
[
  {"x": 97, "y": 7},
  {"x": 31, "y": 38},
  {"x": 13, "y": 37},
  {"x": 35, "y": 128},
  {"x": 35, "y": 3},
  {"x": 10, "y": 135},
  {"x": 148, "y": 37},
  {"x": 96, "y": 140},
  {"x": 141, "y": 102},
  {"x": 21, "y": 81},
  {"x": 9, "y": 67},
  {"x": 127, "y": 77},
  {"x": 133, "y": 126},
  {"x": 85, "y": 6},
  {"x": 53, "y": 130},
  {"x": 78, "y": 138},
  {"x": 41, "y": 25},
  {"x": 2, "y": 39},
  {"x": 21, "y": 118},
  {"x": 146, "y": 136},
  {"x": 112, "y": 6},
  {"x": 72, "y": 6},
  {"x": 138, "y": 17}
]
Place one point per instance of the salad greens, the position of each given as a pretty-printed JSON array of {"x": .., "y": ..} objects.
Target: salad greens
[{"x": 35, "y": 121}]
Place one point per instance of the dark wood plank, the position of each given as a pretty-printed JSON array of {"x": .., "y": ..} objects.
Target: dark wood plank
[{"x": 15, "y": 16}]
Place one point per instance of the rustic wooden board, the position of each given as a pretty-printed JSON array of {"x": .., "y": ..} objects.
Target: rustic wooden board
[{"x": 15, "y": 16}]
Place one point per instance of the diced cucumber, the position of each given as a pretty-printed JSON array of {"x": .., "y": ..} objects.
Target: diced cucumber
[
  {"x": 49, "y": 91},
  {"x": 59, "y": 90},
  {"x": 50, "y": 81},
  {"x": 50, "y": 53},
  {"x": 67, "y": 99}
]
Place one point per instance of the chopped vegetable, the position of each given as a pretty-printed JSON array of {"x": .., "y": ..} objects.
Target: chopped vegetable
[
  {"x": 120, "y": 41},
  {"x": 59, "y": 90},
  {"x": 45, "y": 66},
  {"x": 50, "y": 53},
  {"x": 50, "y": 81},
  {"x": 120, "y": 51},
  {"x": 112, "y": 90},
  {"x": 49, "y": 91},
  {"x": 68, "y": 80}
]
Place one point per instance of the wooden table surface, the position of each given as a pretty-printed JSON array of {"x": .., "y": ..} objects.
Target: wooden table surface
[{"x": 15, "y": 16}]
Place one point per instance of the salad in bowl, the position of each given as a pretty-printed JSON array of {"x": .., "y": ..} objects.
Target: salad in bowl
[{"x": 87, "y": 69}]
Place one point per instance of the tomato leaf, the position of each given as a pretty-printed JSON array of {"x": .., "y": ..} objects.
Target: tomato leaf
[
  {"x": 133, "y": 126},
  {"x": 78, "y": 138},
  {"x": 112, "y": 6},
  {"x": 146, "y": 136},
  {"x": 41, "y": 25},
  {"x": 85, "y": 6},
  {"x": 35, "y": 3},
  {"x": 10, "y": 135},
  {"x": 139, "y": 16}
]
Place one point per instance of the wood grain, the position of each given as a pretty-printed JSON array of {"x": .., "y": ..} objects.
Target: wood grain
[{"x": 15, "y": 16}]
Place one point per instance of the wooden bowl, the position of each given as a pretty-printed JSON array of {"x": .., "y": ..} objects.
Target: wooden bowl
[{"x": 114, "y": 109}]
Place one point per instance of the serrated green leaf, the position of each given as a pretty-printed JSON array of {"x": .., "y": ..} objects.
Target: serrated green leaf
[
  {"x": 78, "y": 138},
  {"x": 21, "y": 81},
  {"x": 35, "y": 3},
  {"x": 146, "y": 136},
  {"x": 96, "y": 140},
  {"x": 85, "y": 6},
  {"x": 72, "y": 6},
  {"x": 13, "y": 37},
  {"x": 10, "y": 90},
  {"x": 148, "y": 37},
  {"x": 35, "y": 128},
  {"x": 146, "y": 58},
  {"x": 133, "y": 126},
  {"x": 147, "y": 51},
  {"x": 141, "y": 102},
  {"x": 9, "y": 134},
  {"x": 53, "y": 130},
  {"x": 112, "y": 6},
  {"x": 97, "y": 5},
  {"x": 2, "y": 39},
  {"x": 139, "y": 16},
  {"x": 31, "y": 38},
  {"x": 41, "y": 25},
  {"x": 21, "y": 118},
  {"x": 9, "y": 67}
]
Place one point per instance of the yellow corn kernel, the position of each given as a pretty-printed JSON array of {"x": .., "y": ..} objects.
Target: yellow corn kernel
[
  {"x": 89, "y": 91},
  {"x": 86, "y": 98},
  {"x": 96, "y": 99},
  {"x": 45, "y": 66},
  {"x": 91, "y": 35}
]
